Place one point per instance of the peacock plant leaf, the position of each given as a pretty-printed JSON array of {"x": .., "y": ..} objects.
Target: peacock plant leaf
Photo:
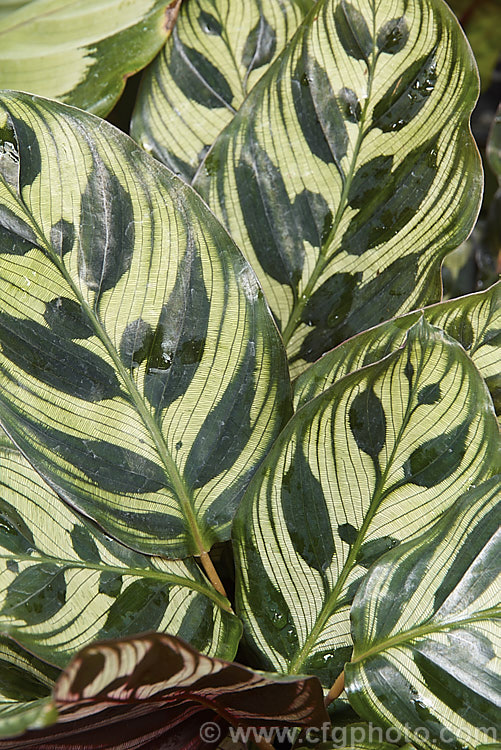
[
  {"x": 474, "y": 321},
  {"x": 141, "y": 371},
  {"x": 64, "y": 584},
  {"x": 426, "y": 626},
  {"x": 218, "y": 51},
  {"x": 349, "y": 172},
  {"x": 155, "y": 691},
  {"x": 368, "y": 464},
  {"x": 81, "y": 51},
  {"x": 25, "y": 690}
]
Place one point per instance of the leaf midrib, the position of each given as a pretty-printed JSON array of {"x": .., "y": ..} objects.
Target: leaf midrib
[
  {"x": 324, "y": 257},
  {"x": 170, "y": 467},
  {"x": 377, "y": 497},
  {"x": 172, "y": 578},
  {"x": 423, "y": 630}
]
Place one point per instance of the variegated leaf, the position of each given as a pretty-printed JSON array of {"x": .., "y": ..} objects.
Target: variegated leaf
[
  {"x": 192, "y": 90},
  {"x": 157, "y": 692},
  {"x": 64, "y": 584},
  {"x": 8, "y": 6},
  {"x": 474, "y": 321},
  {"x": 350, "y": 171},
  {"x": 366, "y": 465},
  {"x": 25, "y": 688},
  {"x": 80, "y": 51},
  {"x": 141, "y": 371},
  {"x": 426, "y": 626}
]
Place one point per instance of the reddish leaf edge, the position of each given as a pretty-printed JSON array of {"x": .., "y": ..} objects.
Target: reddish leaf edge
[{"x": 154, "y": 691}]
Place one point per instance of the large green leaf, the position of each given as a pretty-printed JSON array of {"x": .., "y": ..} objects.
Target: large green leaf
[
  {"x": 25, "y": 690},
  {"x": 64, "y": 584},
  {"x": 192, "y": 90},
  {"x": 366, "y": 465},
  {"x": 141, "y": 371},
  {"x": 474, "y": 321},
  {"x": 426, "y": 626},
  {"x": 350, "y": 171},
  {"x": 80, "y": 51}
]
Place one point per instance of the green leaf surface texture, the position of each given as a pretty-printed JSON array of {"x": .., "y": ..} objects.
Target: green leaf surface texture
[
  {"x": 65, "y": 584},
  {"x": 365, "y": 466},
  {"x": 349, "y": 172},
  {"x": 79, "y": 51},
  {"x": 218, "y": 50},
  {"x": 426, "y": 624},
  {"x": 474, "y": 321},
  {"x": 141, "y": 371}
]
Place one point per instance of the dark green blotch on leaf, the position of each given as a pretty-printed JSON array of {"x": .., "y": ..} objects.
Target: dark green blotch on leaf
[
  {"x": 209, "y": 24},
  {"x": 371, "y": 551},
  {"x": 306, "y": 515},
  {"x": 328, "y": 665},
  {"x": 393, "y": 35},
  {"x": 368, "y": 181},
  {"x": 314, "y": 216},
  {"x": 37, "y": 594},
  {"x": 429, "y": 394},
  {"x": 55, "y": 361},
  {"x": 347, "y": 533},
  {"x": 188, "y": 67},
  {"x": 29, "y": 153},
  {"x": 368, "y": 422},
  {"x": 140, "y": 607},
  {"x": 326, "y": 310},
  {"x": 110, "y": 583},
  {"x": 406, "y": 96},
  {"x": 62, "y": 237},
  {"x": 273, "y": 227},
  {"x": 226, "y": 429},
  {"x": 84, "y": 545},
  {"x": 135, "y": 343},
  {"x": 304, "y": 99},
  {"x": 350, "y": 106},
  {"x": 67, "y": 318},
  {"x": 352, "y": 31},
  {"x": 437, "y": 458},
  {"x": 111, "y": 467},
  {"x": 260, "y": 45},
  {"x": 178, "y": 343},
  {"x": 107, "y": 235},
  {"x": 15, "y": 534}
]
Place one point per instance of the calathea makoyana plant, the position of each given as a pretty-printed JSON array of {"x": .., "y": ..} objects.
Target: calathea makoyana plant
[{"x": 246, "y": 344}]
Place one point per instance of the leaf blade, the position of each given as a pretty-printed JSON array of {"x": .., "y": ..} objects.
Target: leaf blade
[
  {"x": 108, "y": 423},
  {"x": 376, "y": 488},
  {"x": 333, "y": 231}
]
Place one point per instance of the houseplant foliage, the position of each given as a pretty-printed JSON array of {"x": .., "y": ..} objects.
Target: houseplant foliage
[{"x": 147, "y": 344}]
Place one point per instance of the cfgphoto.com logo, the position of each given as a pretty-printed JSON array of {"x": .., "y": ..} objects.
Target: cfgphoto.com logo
[{"x": 339, "y": 736}]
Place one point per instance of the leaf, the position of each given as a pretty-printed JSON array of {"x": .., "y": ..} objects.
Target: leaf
[
  {"x": 425, "y": 626},
  {"x": 368, "y": 464},
  {"x": 80, "y": 51},
  {"x": 64, "y": 584},
  {"x": 480, "y": 24},
  {"x": 153, "y": 419},
  {"x": 165, "y": 690},
  {"x": 349, "y": 172},
  {"x": 25, "y": 688},
  {"x": 474, "y": 321},
  {"x": 193, "y": 88}
]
